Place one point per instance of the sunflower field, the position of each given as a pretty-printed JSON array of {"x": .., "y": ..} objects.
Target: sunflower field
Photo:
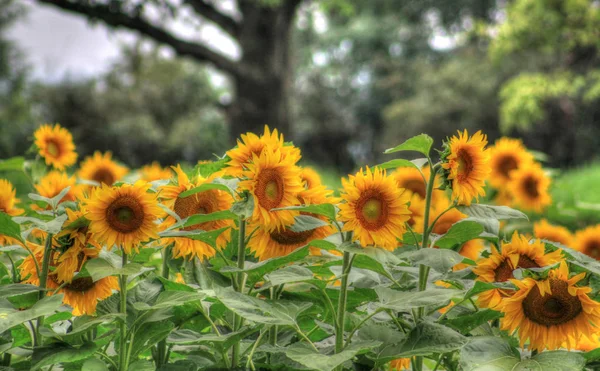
[{"x": 248, "y": 261}]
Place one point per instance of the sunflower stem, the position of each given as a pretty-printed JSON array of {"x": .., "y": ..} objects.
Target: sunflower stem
[
  {"x": 241, "y": 259},
  {"x": 162, "y": 345},
  {"x": 341, "y": 311},
  {"x": 43, "y": 281},
  {"x": 123, "y": 309}
]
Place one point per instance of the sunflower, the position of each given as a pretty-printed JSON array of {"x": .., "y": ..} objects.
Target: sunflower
[
  {"x": 8, "y": 198},
  {"x": 444, "y": 221},
  {"x": 310, "y": 178},
  {"x": 529, "y": 187},
  {"x": 205, "y": 202},
  {"x": 587, "y": 241},
  {"x": 400, "y": 364},
  {"x": 506, "y": 155},
  {"x": 102, "y": 169},
  {"x": 546, "y": 231},
  {"x": 587, "y": 343},
  {"x": 280, "y": 242},
  {"x": 470, "y": 250},
  {"x": 375, "y": 209},
  {"x": 252, "y": 145},
  {"x": 154, "y": 171},
  {"x": 499, "y": 266},
  {"x": 412, "y": 180},
  {"x": 56, "y": 146},
  {"x": 123, "y": 216},
  {"x": 54, "y": 182},
  {"x": 466, "y": 166},
  {"x": 273, "y": 180},
  {"x": 551, "y": 312}
]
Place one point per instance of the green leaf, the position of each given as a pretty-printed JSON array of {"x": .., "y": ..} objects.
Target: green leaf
[
  {"x": 207, "y": 169},
  {"x": 558, "y": 360},
  {"x": 82, "y": 325},
  {"x": 578, "y": 258},
  {"x": 458, "y": 234},
  {"x": 480, "y": 211},
  {"x": 9, "y": 227},
  {"x": 405, "y": 300},
  {"x": 53, "y": 226},
  {"x": 203, "y": 218},
  {"x": 224, "y": 341},
  {"x": 244, "y": 208},
  {"x": 11, "y": 317},
  {"x": 393, "y": 164},
  {"x": 304, "y": 223},
  {"x": 327, "y": 210},
  {"x": 168, "y": 299},
  {"x": 149, "y": 335},
  {"x": 424, "y": 339},
  {"x": 305, "y": 355},
  {"x": 16, "y": 289},
  {"x": 99, "y": 268},
  {"x": 465, "y": 323},
  {"x": 205, "y": 187},
  {"x": 289, "y": 274},
  {"x": 441, "y": 260},
  {"x": 480, "y": 287},
  {"x": 210, "y": 237},
  {"x": 94, "y": 364},
  {"x": 280, "y": 312},
  {"x": 487, "y": 353},
  {"x": 421, "y": 143},
  {"x": 61, "y": 353},
  {"x": 12, "y": 164}
]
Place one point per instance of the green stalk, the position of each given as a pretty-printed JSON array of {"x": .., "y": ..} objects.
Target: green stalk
[
  {"x": 43, "y": 281},
  {"x": 162, "y": 345},
  {"x": 123, "y": 309},
  {"x": 341, "y": 310},
  {"x": 273, "y": 329},
  {"x": 241, "y": 259}
]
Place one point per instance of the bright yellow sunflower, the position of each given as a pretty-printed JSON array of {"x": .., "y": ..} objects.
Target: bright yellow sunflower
[
  {"x": 411, "y": 179},
  {"x": 8, "y": 199},
  {"x": 399, "y": 364},
  {"x": 123, "y": 216},
  {"x": 310, "y": 178},
  {"x": 205, "y": 202},
  {"x": 274, "y": 181},
  {"x": 466, "y": 166},
  {"x": 546, "y": 231},
  {"x": 499, "y": 266},
  {"x": 507, "y": 155},
  {"x": 153, "y": 172},
  {"x": 587, "y": 343},
  {"x": 551, "y": 312},
  {"x": 56, "y": 146},
  {"x": 375, "y": 209},
  {"x": 54, "y": 182},
  {"x": 252, "y": 145},
  {"x": 529, "y": 187},
  {"x": 587, "y": 241},
  {"x": 102, "y": 169}
]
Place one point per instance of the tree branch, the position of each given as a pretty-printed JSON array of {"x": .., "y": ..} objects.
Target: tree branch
[
  {"x": 139, "y": 24},
  {"x": 209, "y": 12}
]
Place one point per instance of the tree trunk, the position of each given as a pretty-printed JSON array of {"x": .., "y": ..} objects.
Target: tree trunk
[{"x": 264, "y": 39}]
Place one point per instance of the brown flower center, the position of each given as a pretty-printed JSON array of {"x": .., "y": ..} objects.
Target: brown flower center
[
  {"x": 288, "y": 237},
  {"x": 200, "y": 203},
  {"x": 80, "y": 284},
  {"x": 465, "y": 164},
  {"x": 269, "y": 188},
  {"x": 415, "y": 186},
  {"x": 504, "y": 271},
  {"x": 592, "y": 249},
  {"x": 104, "y": 175},
  {"x": 125, "y": 214},
  {"x": 506, "y": 164},
  {"x": 372, "y": 210},
  {"x": 530, "y": 186},
  {"x": 552, "y": 309},
  {"x": 53, "y": 148}
]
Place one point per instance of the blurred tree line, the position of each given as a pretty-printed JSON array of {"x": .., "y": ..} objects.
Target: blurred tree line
[{"x": 358, "y": 77}]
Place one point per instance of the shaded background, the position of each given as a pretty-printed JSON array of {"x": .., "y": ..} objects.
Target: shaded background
[{"x": 179, "y": 80}]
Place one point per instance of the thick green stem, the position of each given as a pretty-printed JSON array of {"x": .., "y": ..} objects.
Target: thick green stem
[
  {"x": 273, "y": 329},
  {"x": 123, "y": 309},
  {"x": 43, "y": 280},
  {"x": 341, "y": 310},
  {"x": 241, "y": 259},
  {"x": 162, "y": 345}
]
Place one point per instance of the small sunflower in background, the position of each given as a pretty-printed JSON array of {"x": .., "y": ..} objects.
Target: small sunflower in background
[
  {"x": 556, "y": 233},
  {"x": 252, "y": 145},
  {"x": 310, "y": 178},
  {"x": 8, "y": 199},
  {"x": 375, "y": 209},
  {"x": 465, "y": 161},
  {"x": 55, "y": 145},
  {"x": 399, "y": 364},
  {"x": 154, "y": 171},
  {"x": 54, "y": 182},
  {"x": 102, "y": 169},
  {"x": 123, "y": 216},
  {"x": 274, "y": 181},
  {"x": 551, "y": 312},
  {"x": 587, "y": 241},
  {"x": 412, "y": 180},
  {"x": 529, "y": 188},
  {"x": 499, "y": 266},
  {"x": 205, "y": 202},
  {"x": 507, "y": 155}
]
